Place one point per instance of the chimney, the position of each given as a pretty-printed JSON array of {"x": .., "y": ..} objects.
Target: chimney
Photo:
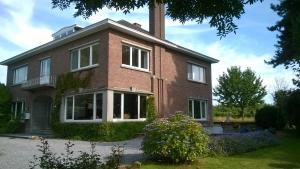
[{"x": 157, "y": 20}]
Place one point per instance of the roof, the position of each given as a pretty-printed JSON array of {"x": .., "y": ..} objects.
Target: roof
[{"x": 122, "y": 26}]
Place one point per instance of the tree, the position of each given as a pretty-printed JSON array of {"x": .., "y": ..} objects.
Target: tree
[
  {"x": 240, "y": 89},
  {"x": 221, "y": 14},
  {"x": 5, "y": 105},
  {"x": 288, "y": 49}
]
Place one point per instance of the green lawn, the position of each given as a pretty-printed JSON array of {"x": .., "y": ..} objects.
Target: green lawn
[{"x": 285, "y": 156}]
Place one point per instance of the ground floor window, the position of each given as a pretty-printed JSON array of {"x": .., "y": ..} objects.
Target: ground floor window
[
  {"x": 17, "y": 109},
  {"x": 198, "y": 109},
  {"x": 129, "y": 106},
  {"x": 84, "y": 107}
]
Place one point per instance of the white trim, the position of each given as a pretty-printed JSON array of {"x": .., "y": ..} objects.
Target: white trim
[
  {"x": 139, "y": 66},
  {"x": 135, "y": 68},
  {"x": 90, "y": 64},
  {"x": 85, "y": 68},
  {"x": 136, "y": 45},
  {"x": 73, "y": 108}
]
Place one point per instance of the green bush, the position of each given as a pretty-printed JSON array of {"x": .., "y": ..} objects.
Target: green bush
[
  {"x": 293, "y": 109},
  {"x": 98, "y": 131},
  {"x": 238, "y": 143},
  {"x": 5, "y": 108},
  {"x": 177, "y": 139},
  {"x": 92, "y": 160},
  {"x": 269, "y": 117},
  {"x": 151, "y": 110}
]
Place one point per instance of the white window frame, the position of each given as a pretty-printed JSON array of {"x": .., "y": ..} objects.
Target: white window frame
[
  {"x": 73, "y": 108},
  {"x": 193, "y": 74},
  {"x": 90, "y": 46},
  {"x": 193, "y": 113},
  {"x": 122, "y": 109},
  {"x": 14, "y": 74},
  {"x": 139, "y": 67}
]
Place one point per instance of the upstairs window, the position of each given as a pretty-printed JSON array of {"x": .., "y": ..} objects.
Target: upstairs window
[
  {"x": 84, "y": 57},
  {"x": 135, "y": 57},
  {"x": 20, "y": 75},
  {"x": 196, "y": 73},
  {"x": 198, "y": 109}
]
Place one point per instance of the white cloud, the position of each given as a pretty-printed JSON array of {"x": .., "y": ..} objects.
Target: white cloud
[{"x": 18, "y": 29}]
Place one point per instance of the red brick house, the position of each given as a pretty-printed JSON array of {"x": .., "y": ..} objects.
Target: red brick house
[{"x": 128, "y": 64}]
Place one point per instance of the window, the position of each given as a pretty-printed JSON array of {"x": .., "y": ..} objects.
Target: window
[
  {"x": 129, "y": 106},
  {"x": 84, "y": 107},
  {"x": 196, "y": 73},
  {"x": 84, "y": 57},
  {"x": 20, "y": 75},
  {"x": 135, "y": 57},
  {"x": 17, "y": 108},
  {"x": 198, "y": 109},
  {"x": 45, "y": 71}
]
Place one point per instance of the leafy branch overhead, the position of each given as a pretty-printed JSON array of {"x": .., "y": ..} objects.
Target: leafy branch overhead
[{"x": 220, "y": 14}]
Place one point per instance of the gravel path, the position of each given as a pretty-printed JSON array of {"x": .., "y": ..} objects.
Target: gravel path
[{"x": 15, "y": 153}]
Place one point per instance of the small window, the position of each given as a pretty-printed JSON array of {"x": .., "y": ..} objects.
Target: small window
[
  {"x": 84, "y": 57},
  {"x": 125, "y": 55},
  {"x": 196, "y": 73},
  {"x": 18, "y": 108},
  {"x": 69, "y": 107},
  {"x": 117, "y": 105},
  {"x": 197, "y": 109},
  {"x": 20, "y": 75},
  {"x": 135, "y": 57}
]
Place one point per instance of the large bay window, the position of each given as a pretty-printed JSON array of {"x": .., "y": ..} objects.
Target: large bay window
[
  {"x": 20, "y": 75},
  {"x": 135, "y": 57},
  {"x": 196, "y": 73},
  {"x": 84, "y": 57},
  {"x": 198, "y": 109},
  {"x": 129, "y": 106},
  {"x": 84, "y": 107}
]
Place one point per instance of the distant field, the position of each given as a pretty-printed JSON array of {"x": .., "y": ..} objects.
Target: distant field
[{"x": 246, "y": 119}]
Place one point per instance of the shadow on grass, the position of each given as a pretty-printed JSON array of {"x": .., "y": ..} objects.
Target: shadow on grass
[{"x": 284, "y": 165}]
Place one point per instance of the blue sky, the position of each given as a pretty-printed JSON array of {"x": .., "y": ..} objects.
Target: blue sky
[{"x": 31, "y": 23}]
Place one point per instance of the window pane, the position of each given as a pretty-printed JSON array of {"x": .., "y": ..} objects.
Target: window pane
[
  {"x": 99, "y": 105},
  {"x": 69, "y": 108},
  {"x": 135, "y": 57},
  {"x": 117, "y": 105},
  {"x": 20, "y": 75},
  {"x": 95, "y": 52},
  {"x": 74, "y": 59},
  {"x": 190, "y": 72},
  {"x": 130, "y": 106},
  {"x": 19, "y": 108},
  {"x": 125, "y": 55},
  {"x": 83, "y": 107},
  {"x": 191, "y": 108},
  {"x": 203, "y": 109},
  {"x": 143, "y": 104},
  {"x": 144, "y": 59},
  {"x": 196, "y": 73},
  {"x": 85, "y": 57},
  {"x": 197, "y": 114}
]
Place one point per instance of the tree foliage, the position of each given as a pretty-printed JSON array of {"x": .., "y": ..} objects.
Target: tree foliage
[
  {"x": 220, "y": 14},
  {"x": 5, "y": 103},
  {"x": 240, "y": 89},
  {"x": 288, "y": 44}
]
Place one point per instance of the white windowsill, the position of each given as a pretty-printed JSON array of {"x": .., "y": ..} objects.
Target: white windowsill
[
  {"x": 129, "y": 120},
  {"x": 200, "y": 119},
  {"x": 85, "y": 68},
  {"x": 135, "y": 68},
  {"x": 205, "y": 83},
  {"x": 83, "y": 121}
]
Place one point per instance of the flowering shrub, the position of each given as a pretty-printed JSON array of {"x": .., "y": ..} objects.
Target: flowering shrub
[
  {"x": 177, "y": 139},
  {"x": 92, "y": 160},
  {"x": 241, "y": 142}
]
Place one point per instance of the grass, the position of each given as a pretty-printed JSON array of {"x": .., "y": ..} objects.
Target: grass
[{"x": 286, "y": 155}]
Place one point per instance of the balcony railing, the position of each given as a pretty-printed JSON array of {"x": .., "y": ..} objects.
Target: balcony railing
[{"x": 43, "y": 81}]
